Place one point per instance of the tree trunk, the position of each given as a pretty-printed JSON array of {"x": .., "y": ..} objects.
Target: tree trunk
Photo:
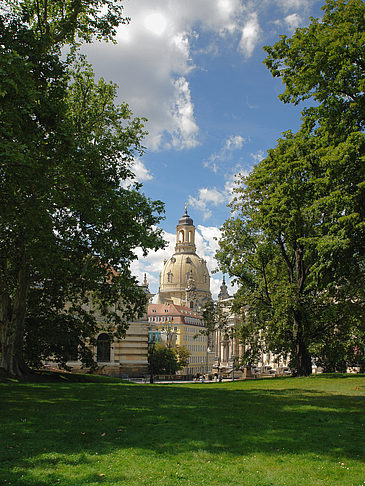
[
  {"x": 301, "y": 359},
  {"x": 12, "y": 315}
]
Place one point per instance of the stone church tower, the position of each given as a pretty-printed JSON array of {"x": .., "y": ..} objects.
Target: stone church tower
[{"x": 185, "y": 279}]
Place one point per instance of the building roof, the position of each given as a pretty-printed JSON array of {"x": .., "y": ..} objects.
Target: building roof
[{"x": 172, "y": 310}]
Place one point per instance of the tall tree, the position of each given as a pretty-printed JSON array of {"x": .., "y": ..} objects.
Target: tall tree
[
  {"x": 68, "y": 224},
  {"x": 292, "y": 247}
]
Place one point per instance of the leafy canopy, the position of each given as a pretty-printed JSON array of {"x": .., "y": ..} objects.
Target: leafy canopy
[{"x": 72, "y": 216}]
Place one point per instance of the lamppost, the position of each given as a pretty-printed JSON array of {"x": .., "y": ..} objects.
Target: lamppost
[{"x": 207, "y": 359}]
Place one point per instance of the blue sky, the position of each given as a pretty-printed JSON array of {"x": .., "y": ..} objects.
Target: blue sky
[{"x": 194, "y": 69}]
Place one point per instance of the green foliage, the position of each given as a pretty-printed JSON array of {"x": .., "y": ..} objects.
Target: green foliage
[
  {"x": 324, "y": 61},
  {"x": 295, "y": 244},
  {"x": 215, "y": 316},
  {"x": 341, "y": 348},
  {"x": 165, "y": 360},
  {"x": 182, "y": 354},
  {"x": 72, "y": 215},
  {"x": 69, "y": 21}
]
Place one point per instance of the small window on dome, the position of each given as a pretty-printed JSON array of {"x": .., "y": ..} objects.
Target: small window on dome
[{"x": 169, "y": 277}]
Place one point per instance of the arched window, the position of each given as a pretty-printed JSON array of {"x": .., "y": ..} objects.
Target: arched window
[
  {"x": 190, "y": 236},
  {"x": 103, "y": 347},
  {"x": 169, "y": 277},
  {"x": 181, "y": 236}
]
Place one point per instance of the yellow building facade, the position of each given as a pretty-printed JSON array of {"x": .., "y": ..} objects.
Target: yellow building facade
[{"x": 181, "y": 326}]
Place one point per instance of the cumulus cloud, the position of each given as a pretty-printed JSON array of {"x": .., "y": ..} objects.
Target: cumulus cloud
[
  {"x": 250, "y": 35},
  {"x": 290, "y": 22},
  {"x": 185, "y": 135},
  {"x": 154, "y": 57},
  {"x": 207, "y": 197},
  {"x": 157, "y": 51},
  {"x": 141, "y": 172}
]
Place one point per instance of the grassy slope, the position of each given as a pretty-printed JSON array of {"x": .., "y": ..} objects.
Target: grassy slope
[{"x": 291, "y": 431}]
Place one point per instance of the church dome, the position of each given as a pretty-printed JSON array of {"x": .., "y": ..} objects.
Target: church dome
[
  {"x": 181, "y": 267},
  {"x": 186, "y": 220},
  {"x": 184, "y": 279}
]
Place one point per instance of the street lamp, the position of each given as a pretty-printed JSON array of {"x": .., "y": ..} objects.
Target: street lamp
[{"x": 207, "y": 359}]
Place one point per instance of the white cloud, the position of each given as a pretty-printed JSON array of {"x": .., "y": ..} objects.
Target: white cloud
[
  {"x": 207, "y": 197},
  {"x": 141, "y": 172},
  {"x": 290, "y": 22},
  {"x": 250, "y": 35},
  {"x": 232, "y": 143},
  {"x": 155, "y": 23},
  {"x": 157, "y": 51},
  {"x": 294, "y": 4},
  {"x": 258, "y": 156},
  {"x": 293, "y": 21},
  {"x": 153, "y": 58},
  {"x": 185, "y": 136},
  {"x": 207, "y": 244}
]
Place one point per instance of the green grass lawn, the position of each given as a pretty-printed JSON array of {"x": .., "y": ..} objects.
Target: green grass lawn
[{"x": 290, "y": 431}]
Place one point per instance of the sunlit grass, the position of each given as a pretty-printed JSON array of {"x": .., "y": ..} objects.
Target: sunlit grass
[{"x": 291, "y": 431}]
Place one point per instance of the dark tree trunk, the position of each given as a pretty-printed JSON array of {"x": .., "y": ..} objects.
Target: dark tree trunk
[
  {"x": 301, "y": 359},
  {"x": 12, "y": 316}
]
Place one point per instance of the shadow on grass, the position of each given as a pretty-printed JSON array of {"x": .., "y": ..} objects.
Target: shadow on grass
[{"x": 45, "y": 425}]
